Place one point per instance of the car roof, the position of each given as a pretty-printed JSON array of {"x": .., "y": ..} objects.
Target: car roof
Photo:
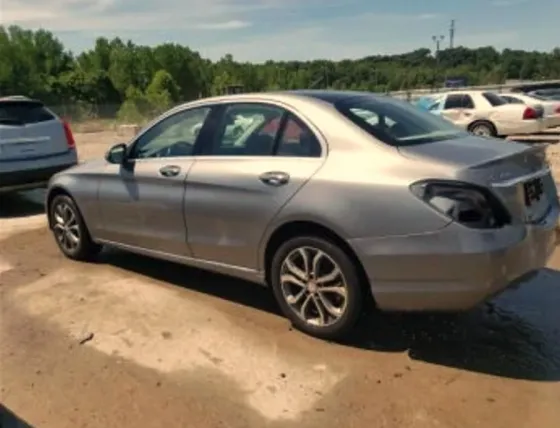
[{"x": 326, "y": 96}]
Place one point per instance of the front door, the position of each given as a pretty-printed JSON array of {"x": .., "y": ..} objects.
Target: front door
[
  {"x": 459, "y": 109},
  {"x": 141, "y": 202},
  {"x": 259, "y": 158}
]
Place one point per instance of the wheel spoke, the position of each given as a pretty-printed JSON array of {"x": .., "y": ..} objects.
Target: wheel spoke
[
  {"x": 70, "y": 218},
  {"x": 338, "y": 289},
  {"x": 330, "y": 308},
  {"x": 334, "y": 274},
  {"x": 304, "y": 305},
  {"x": 297, "y": 272},
  {"x": 294, "y": 300},
  {"x": 292, "y": 280},
  {"x": 73, "y": 238},
  {"x": 305, "y": 258},
  {"x": 322, "y": 319},
  {"x": 316, "y": 262}
]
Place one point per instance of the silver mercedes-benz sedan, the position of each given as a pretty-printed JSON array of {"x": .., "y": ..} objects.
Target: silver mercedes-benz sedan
[{"x": 331, "y": 198}]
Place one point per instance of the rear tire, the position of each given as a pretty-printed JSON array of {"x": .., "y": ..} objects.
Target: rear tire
[
  {"x": 322, "y": 296},
  {"x": 70, "y": 231},
  {"x": 483, "y": 129}
]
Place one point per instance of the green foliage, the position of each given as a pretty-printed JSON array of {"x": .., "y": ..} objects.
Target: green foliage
[{"x": 144, "y": 81}]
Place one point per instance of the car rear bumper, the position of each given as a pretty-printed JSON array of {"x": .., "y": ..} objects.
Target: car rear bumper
[
  {"x": 553, "y": 121},
  {"x": 455, "y": 268},
  {"x": 30, "y": 174}
]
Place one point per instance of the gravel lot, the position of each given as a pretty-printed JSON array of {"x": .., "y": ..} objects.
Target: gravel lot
[{"x": 130, "y": 342}]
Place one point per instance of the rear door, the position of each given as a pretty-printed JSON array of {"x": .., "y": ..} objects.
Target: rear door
[
  {"x": 242, "y": 180},
  {"x": 28, "y": 130}
]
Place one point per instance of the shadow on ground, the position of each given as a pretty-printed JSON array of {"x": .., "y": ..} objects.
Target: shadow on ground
[
  {"x": 22, "y": 204},
  {"x": 516, "y": 335},
  {"x": 9, "y": 420}
]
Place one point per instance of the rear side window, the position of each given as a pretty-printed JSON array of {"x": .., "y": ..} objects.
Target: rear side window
[
  {"x": 493, "y": 99},
  {"x": 297, "y": 140},
  {"x": 512, "y": 100},
  {"x": 23, "y": 113}
]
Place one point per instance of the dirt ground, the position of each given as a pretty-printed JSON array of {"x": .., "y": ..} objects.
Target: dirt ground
[{"x": 133, "y": 342}]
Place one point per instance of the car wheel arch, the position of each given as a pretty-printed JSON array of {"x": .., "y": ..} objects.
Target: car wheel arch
[{"x": 296, "y": 228}]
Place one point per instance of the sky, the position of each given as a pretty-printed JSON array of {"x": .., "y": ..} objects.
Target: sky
[{"x": 259, "y": 30}]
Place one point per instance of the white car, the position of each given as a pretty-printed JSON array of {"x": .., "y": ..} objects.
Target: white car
[
  {"x": 35, "y": 144},
  {"x": 484, "y": 113},
  {"x": 551, "y": 108}
]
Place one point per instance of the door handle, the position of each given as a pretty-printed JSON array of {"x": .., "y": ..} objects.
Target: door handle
[
  {"x": 274, "y": 178},
  {"x": 170, "y": 170}
]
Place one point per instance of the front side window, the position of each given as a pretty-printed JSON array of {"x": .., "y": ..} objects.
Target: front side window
[
  {"x": 397, "y": 122},
  {"x": 458, "y": 101},
  {"x": 172, "y": 137}
]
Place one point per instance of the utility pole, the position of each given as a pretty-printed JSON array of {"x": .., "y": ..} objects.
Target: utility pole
[{"x": 451, "y": 34}]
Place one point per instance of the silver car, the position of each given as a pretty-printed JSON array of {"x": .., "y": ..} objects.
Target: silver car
[
  {"x": 34, "y": 144},
  {"x": 325, "y": 205}
]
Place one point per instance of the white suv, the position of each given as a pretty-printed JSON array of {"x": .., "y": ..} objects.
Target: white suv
[{"x": 35, "y": 144}]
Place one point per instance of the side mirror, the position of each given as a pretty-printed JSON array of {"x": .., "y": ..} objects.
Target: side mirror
[{"x": 116, "y": 154}]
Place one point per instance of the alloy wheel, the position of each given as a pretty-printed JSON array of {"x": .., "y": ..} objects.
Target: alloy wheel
[
  {"x": 314, "y": 286},
  {"x": 482, "y": 130},
  {"x": 66, "y": 228}
]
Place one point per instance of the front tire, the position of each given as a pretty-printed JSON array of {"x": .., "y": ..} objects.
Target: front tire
[
  {"x": 70, "y": 231},
  {"x": 317, "y": 286}
]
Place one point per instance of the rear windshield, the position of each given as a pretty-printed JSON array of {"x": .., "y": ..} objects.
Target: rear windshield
[
  {"x": 397, "y": 122},
  {"x": 23, "y": 112}
]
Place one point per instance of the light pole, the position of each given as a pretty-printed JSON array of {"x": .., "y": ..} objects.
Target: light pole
[{"x": 437, "y": 40}]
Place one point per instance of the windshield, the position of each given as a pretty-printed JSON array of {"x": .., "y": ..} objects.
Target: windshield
[
  {"x": 537, "y": 97},
  {"x": 397, "y": 122}
]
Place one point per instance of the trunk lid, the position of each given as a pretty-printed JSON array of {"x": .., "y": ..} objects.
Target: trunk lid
[
  {"x": 29, "y": 130},
  {"x": 514, "y": 171}
]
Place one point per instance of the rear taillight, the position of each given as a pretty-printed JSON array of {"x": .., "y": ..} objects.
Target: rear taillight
[
  {"x": 557, "y": 111},
  {"x": 467, "y": 204},
  {"x": 69, "y": 137},
  {"x": 530, "y": 113}
]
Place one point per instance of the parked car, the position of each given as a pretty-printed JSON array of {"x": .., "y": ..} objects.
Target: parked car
[
  {"x": 484, "y": 113},
  {"x": 551, "y": 108},
  {"x": 324, "y": 205},
  {"x": 34, "y": 144},
  {"x": 549, "y": 94}
]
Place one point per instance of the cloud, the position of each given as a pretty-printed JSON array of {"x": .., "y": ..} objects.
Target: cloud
[
  {"x": 227, "y": 25},
  {"x": 107, "y": 15}
]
